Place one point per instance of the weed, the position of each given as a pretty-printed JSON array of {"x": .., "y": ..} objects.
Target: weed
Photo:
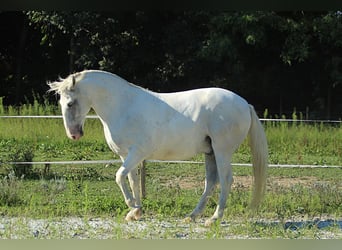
[
  {"x": 22, "y": 153},
  {"x": 51, "y": 189},
  {"x": 10, "y": 188}
]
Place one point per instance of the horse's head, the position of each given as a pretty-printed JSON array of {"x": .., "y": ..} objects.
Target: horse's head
[{"x": 74, "y": 103}]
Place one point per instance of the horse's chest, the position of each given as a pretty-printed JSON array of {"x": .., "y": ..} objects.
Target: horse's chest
[{"x": 113, "y": 144}]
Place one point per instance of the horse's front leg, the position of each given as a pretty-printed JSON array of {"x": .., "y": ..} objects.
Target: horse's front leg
[
  {"x": 128, "y": 168},
  {"x": 136, "y": 212}
]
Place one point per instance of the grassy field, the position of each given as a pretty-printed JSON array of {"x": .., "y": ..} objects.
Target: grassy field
[{"x": 293, "y": 194}]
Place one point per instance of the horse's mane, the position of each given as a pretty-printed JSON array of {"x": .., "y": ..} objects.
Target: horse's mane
[
  {"x": 66, "y": 84},
  {"x": 63, "y": 84}
]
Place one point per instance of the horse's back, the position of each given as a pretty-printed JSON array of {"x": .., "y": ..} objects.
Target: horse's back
[
  {"x": 227, "y": 113},
  {"x": 205, "y": 96},
  {"x": 208, "y": 103}
]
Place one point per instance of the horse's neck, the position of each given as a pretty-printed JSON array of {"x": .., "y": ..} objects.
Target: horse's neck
[{"x": 112, "y": 96}]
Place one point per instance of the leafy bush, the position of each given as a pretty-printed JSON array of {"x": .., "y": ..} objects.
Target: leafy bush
[
  {"x": 22, "y": 153},
  {"x": 10, "y": 190},
  {"x": 50, "y": 189}
]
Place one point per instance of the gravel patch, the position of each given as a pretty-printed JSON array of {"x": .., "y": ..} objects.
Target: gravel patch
[
  {"x": 112, "y": 228},
  {"x": 95, "y": 228}
]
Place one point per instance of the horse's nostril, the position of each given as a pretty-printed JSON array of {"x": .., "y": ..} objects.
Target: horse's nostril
[{"x": 73, "y": 137}]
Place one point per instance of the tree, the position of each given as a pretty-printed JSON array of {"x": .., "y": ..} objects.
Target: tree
[
  {"x": 276, "y": 60},
  {"x": 328, "y": 32},
  {"x": 12, "y": 51}
]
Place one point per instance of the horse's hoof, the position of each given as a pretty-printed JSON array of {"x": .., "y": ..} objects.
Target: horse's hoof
[
  {"x": 137, "y": 213},
  {"x": 188, "y": 219},
  {"x": 210, "y": 222},
  {"x": 134, "y": 214}
]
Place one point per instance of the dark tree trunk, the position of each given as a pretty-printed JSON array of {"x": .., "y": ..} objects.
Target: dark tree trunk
[
  {"x": 19, "y": 62},
  {"x": 328, "y": 107},
  {"x": 71, "y": 55}
]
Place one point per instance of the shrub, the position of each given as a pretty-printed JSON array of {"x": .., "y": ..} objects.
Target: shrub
[
  {"x": 22, "y": 153},
  {"x": 10, "y": 190}
]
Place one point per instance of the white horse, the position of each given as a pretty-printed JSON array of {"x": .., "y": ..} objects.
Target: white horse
[{"x": 140, "y": 124}]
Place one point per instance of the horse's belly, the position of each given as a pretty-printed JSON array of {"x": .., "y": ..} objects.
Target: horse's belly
[
  {"x": 181, "y": 150},
  {"x": 172, "y": 154}
]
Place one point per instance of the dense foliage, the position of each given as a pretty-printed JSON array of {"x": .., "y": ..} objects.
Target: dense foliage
[{"x": 276, "y": 60}]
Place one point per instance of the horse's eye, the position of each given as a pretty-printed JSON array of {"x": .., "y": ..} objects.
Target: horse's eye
[{"x": 70, "y": 104}]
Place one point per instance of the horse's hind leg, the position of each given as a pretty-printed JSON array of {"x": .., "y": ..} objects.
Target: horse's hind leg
[
  {"x": 211, "y": 180},
  {"x": 224, "y": 171}
]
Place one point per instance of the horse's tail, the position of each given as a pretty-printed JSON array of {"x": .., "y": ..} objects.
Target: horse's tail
[{"x": 259, "y": 149}]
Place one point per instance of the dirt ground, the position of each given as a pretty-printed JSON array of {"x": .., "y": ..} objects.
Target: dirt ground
[{"x": 245, "y": 182}]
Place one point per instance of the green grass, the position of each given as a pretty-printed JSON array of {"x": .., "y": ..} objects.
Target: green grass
[
  {"x": 302, "y": 144},
  {"x": 48, "y": 140},
  {"x": 172, "y": 190},
  {"x": 289, "y": 143},
  {"x": 91, "y": 190}
]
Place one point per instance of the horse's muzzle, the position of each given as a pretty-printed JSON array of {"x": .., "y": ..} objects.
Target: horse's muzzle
[{"x": 76, "y": 134}]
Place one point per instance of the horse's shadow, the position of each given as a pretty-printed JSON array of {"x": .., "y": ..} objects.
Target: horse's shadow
[
  {"x": 295, "y": 225},
  {"x": 319, "y": 224}
]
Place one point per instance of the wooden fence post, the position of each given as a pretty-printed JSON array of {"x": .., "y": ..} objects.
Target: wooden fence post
[{"x": 142, "y": 180}]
